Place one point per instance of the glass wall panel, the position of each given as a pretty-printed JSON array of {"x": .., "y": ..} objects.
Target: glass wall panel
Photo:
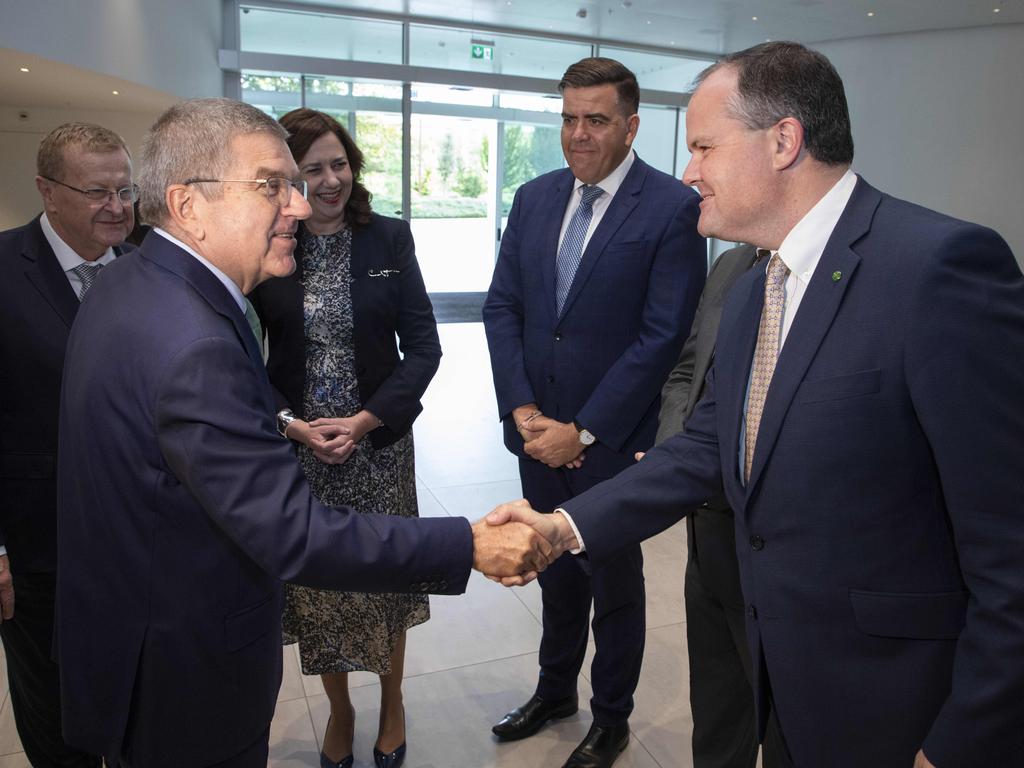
[
  {"x": 656, "y": 139},
  {"x": 660, "y": 72},
  {"x": 452, "y": 94},
  {"x": 273, "y": 92},
  {"x": 453, "y": 178},
  {"x": 300, "y": 33},
  {"x": 448, "y": 48},
  {"x": 529, "y": 151}
]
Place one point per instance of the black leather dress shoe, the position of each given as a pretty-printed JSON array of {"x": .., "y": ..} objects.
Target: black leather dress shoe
[
  {"x": 600, "y": 748},
  {"x": 528, "y": 719}
]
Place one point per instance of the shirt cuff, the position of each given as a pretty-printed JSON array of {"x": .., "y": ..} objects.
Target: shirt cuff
[
  {"x": 576, "y": 531},
  {"x": 3, "y": 549}
]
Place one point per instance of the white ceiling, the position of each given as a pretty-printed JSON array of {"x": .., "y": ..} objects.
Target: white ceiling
[
  {"x": 52, "y": 84},
  {"x": 710, "y": 26}
]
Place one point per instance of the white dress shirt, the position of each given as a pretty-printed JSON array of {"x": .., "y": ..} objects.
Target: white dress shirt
[
  {"x": 801, "y": 251},
  {"x": 609, "y": 186},
  {"x": 67, "y": 257}
]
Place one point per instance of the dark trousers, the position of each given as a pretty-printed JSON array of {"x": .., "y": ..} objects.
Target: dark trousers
[
  {"x": 33, "y": 677},
  {"x": 255, "y": 755},
  {"x": 721, "y": 693},
  {"x": 616, "y": 590}
]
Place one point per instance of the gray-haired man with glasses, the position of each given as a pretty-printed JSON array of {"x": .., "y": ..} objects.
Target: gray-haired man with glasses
[
  {"x": 46, "y": 268},
  {"x": 190, "y": 508}
]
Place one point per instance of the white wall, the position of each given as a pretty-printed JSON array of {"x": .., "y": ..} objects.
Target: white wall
[
  {"x": 19, "y": 143},
  {"x": 937, "y": 120},
  {"x": 170, "y": 45}
]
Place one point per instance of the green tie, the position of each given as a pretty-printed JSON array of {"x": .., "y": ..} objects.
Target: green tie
[{"x": 255, "y": 325}]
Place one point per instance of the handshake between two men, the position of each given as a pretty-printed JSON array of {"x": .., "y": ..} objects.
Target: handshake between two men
[{"x": 515, "y": 542}]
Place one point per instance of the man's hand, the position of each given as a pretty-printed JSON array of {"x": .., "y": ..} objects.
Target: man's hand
[
  {"x": 921, "y": 761},
  {"x": 554, "y": 528},
  {"x": 557, "y": 446},
  {"x": 6, "y": 589},
  {"x": 524, "y": 418},
  {"x": 509, "y": 551}
]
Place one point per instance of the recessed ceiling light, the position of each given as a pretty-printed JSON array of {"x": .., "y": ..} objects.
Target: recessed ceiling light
[
  {"x": 648, "y": 21},
  {"x": 116, "y": 93},
  {"x": 23, "y": 69},
  {"x": 753, "y": 18},
  {"x": 994, "y": 10},
  {"x": 871, "y": 13}
]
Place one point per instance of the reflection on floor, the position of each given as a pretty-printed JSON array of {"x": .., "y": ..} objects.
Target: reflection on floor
[{"x": 476, "y": 658}]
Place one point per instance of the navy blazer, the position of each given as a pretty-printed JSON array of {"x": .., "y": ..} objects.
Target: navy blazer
[
  {"x": 388, "y": 298},
  {"x": 880, "y": 536},
  {"x": 37, "y": 307},
  {"x": 603, "y": 361},
  {"x": 181, "y": 510}
]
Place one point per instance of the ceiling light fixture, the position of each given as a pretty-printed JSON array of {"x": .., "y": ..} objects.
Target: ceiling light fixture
[
  {"x": 995, "y": 10},
  {"x": 23, "y": 69},
  {"x": 116, "y": 93},
  {"x": 871, "y": 13},
  {"x": 753, "y": 18}
]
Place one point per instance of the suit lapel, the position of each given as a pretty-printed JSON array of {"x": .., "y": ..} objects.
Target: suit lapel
[
  {"x": 619, "y": 209},
  {"x": 832, "y": 278},
  {"x": 162, "y": 251},
  {"x": 561, "y": 191},
  {"x": 44, "y": 272}
]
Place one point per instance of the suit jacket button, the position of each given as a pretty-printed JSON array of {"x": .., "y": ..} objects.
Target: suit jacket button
[
  {"x": 551, "y": 379},
  {"x": 756, "y": 543},
  {"x": 752, "y": 612},
  {"x": 558, "y": 337}
]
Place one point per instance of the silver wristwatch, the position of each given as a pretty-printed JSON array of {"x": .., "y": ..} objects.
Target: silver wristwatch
[
  {"x": 586, "y": 436},
  {"x": 284, "y": 418}
]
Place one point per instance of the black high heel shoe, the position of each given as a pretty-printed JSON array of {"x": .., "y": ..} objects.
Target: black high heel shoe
[
  {"x": 394, "y": 759},
  {"x": 326, "y": 762}
]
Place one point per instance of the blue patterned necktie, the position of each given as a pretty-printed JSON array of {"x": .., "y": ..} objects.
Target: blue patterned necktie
[
  {"x": 571, "y": 252},
  {"x": 87, "y": 274}
]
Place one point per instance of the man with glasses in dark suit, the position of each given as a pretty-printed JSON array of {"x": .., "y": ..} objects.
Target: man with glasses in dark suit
[{"x": 46, "y": 267}]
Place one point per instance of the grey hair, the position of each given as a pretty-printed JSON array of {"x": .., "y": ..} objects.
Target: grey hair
[
  {"x": 88, "y": 136},
  {"x": 192, "y": 140}
]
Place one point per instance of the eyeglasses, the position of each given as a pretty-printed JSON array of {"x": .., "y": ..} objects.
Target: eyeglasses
[
  {"x": 100, "y": 196},
  {"x": 278, "y": 188}
]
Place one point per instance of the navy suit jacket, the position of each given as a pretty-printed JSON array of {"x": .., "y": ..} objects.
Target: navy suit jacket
[
  {"x": 880, "y": 536},
  {"x": 181, "y": 511},
  {"x": 37, "y": 307},
  {"x": 603, "y": 361},
  {"x": 388, "y": 298}
]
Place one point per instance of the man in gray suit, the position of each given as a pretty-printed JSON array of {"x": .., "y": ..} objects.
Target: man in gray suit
[{"x": 721, "y": 697}]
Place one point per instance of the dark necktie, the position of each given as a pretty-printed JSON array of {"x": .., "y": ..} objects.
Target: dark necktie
[
  {"x": 255, "y": 325},
  {"x": 571, "y": 252}
]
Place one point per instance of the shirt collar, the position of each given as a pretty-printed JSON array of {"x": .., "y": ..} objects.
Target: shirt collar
[
  {"x": 234, "y": 290},
  {"x": 67, "y": 257},
  {"x": 803, "y": 246},
  {"x": 610, "y": 184}
]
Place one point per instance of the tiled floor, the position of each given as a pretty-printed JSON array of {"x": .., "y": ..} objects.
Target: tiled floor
[{"x": 476, "y": 658}]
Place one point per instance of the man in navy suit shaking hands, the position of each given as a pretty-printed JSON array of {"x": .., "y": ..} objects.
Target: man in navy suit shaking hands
[
  {"x": 181, "y": 508},
  {"x": 863, "y": 415}
]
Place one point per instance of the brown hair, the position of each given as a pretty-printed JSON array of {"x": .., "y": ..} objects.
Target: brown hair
[
  {"x": 89, "y": 136},
  {"x": 596, "y": 70},
  {"x": 305, "y": 126}
]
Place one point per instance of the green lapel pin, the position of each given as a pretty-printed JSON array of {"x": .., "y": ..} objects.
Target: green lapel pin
[{"x": 837, "y": 276}]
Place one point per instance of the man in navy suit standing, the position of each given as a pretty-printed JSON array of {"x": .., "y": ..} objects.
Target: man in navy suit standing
[
  {"x": 84, "y": 176},
  {"x": 863, "y": 414},
  {"x": 181, "y": 508},
  {"x": 596, "y": 284}
]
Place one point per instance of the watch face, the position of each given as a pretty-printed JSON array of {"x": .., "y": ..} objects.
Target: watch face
[{"x": 586, "y": 437}]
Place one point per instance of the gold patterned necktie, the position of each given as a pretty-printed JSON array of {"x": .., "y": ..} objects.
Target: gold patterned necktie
[{"x": 765, "y": 354}]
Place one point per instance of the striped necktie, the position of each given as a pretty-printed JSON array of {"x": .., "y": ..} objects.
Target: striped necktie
[
  {"x": 571, "y": 252},
  {"x": 87, "y": 274}
]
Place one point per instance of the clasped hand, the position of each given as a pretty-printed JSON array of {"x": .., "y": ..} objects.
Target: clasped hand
[
  {"x": 332, "y": 440},
  {"x": 515, "y": 542},
  {"x": 552, "y": 442}
]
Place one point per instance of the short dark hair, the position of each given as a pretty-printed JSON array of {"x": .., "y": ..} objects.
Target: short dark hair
[
  {"x": 784, "y": 79},
  {"x": 305, "y": 126},
  {"x": 596, "y": 70}
]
